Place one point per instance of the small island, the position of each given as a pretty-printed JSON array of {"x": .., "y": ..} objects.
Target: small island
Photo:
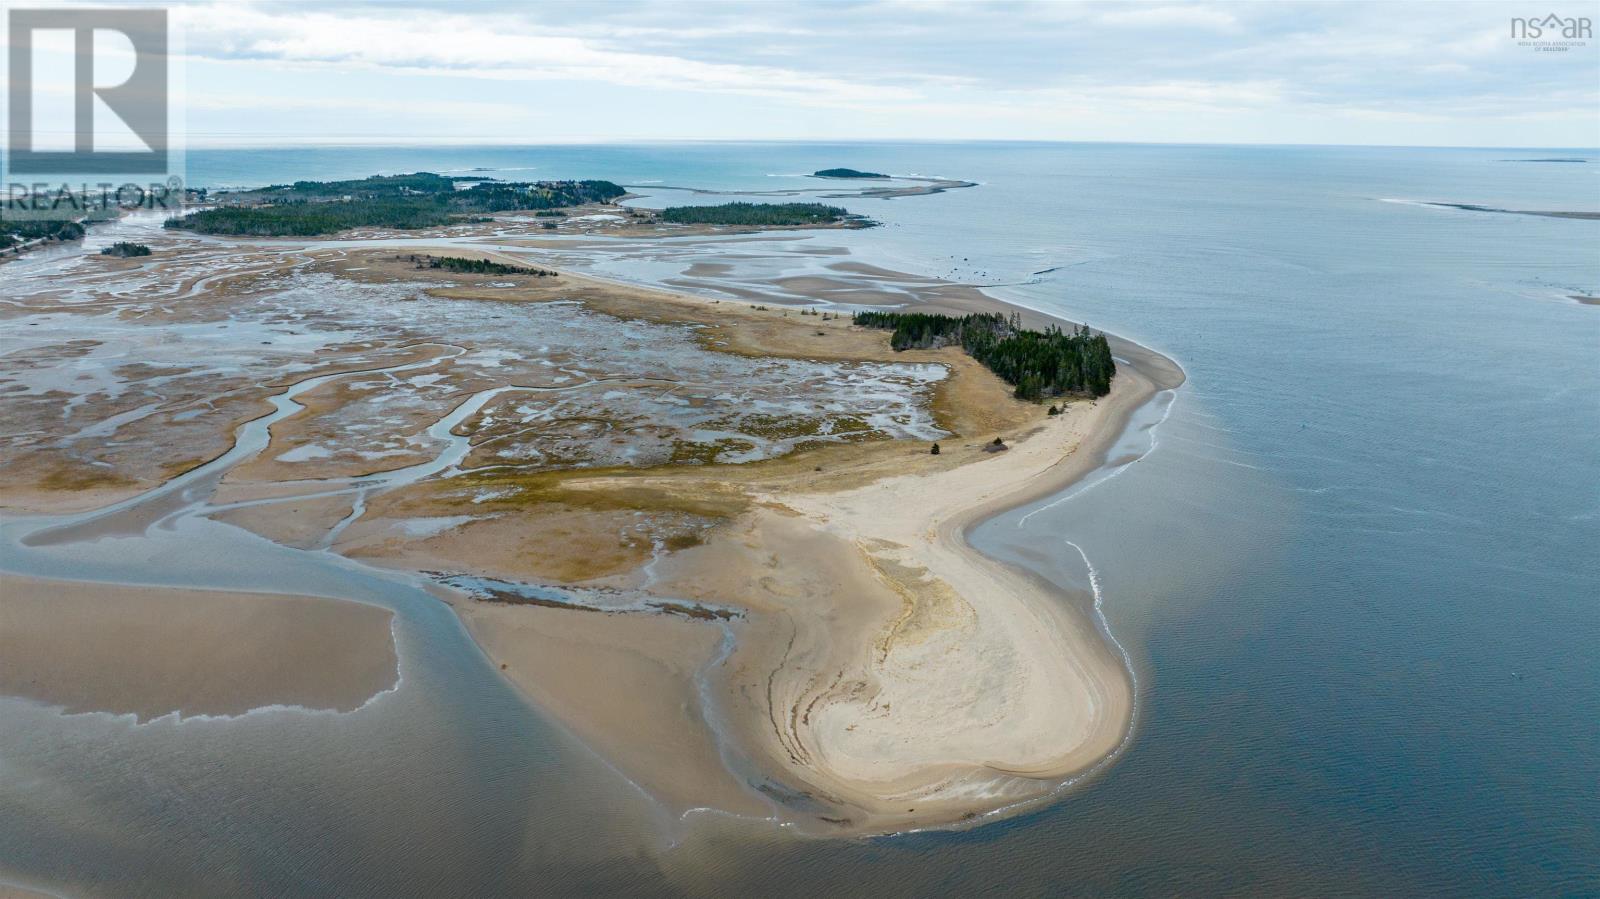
[
  {"x": 762, "y": 214},
  {"x": 846, "y": 173}
]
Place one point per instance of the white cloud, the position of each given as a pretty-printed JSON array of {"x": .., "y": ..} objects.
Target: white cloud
[
  {"x": 491, "y": 47},
  {"x": 1189, "y": 16},
  {"x": 1185, "y": 71}
]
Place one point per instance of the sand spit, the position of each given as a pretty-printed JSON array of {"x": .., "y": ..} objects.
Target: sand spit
[
  {"x": 151, "y": 651},
  {"x": 890, "y": 676}
]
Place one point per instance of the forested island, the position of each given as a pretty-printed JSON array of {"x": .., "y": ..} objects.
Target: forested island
[
  {"x": 406, "y": 202},
  {"x": 126, "y": 249},
  {"x": 1038, "y": 364},
  {"x": 846, "y": 173},
  {"x": 765, "y": 214}
]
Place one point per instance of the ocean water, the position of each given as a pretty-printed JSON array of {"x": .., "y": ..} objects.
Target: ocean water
[{"x": 1356, "y": 563}]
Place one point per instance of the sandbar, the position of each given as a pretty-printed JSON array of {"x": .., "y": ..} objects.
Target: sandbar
[{"x": 156, "y": 651}]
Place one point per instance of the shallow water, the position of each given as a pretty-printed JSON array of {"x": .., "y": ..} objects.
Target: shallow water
[{"x": 1353, "y": 566}]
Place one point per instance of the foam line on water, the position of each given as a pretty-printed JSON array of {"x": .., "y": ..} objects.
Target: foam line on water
[{"x": 1107, "y": 472}]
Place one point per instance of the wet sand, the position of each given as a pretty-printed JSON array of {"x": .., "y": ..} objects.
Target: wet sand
[
  {"x": 626, "y": 686},
  {"x": 982, "y": 685},
  {"x": 150, "y": 652}
]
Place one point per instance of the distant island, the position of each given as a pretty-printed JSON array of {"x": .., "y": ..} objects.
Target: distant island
[
  {"x": 846, "y": 173},
  {"x": 764, "y": 214},
  {"x": 405, "y": 202}
]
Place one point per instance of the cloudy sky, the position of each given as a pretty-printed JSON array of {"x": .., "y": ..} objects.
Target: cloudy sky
[{"x": 1293, "y": 72}]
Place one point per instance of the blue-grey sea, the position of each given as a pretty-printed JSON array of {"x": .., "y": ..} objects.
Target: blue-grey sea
[{"x": 1356, "y": 565}]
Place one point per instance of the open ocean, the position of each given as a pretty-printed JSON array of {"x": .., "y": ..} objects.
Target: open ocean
[{"x": 1356, "y": 565}]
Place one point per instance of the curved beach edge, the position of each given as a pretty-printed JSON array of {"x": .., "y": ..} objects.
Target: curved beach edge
[{"x": 1002, "y": 688}]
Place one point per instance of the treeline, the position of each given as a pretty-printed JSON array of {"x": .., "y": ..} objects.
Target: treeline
[
  {"x": 755, "y": 214},
  {"x": 403, "y": 202},
  {"x": 1038, "y": 364},
  {"x": 309, "y": 219},
  {"x": 24, "y": 230},
  {"x": 483, "y": 267},
  {"x": 370, "y": 187},
  {"x": 126, "y": 249},
  {"x": 497, "y": 196}
]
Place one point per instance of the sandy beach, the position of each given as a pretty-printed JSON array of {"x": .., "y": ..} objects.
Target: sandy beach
[{"x": 980, "y": 681}]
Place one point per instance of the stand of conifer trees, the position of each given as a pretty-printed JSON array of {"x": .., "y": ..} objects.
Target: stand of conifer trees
[
  {"x": 421, "y": 200},
  {"x": 1038, "y": 364},
  {"x": 767, "y": 214}
]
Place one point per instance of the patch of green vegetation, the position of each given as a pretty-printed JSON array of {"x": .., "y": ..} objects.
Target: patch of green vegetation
[
  {"x": 776, "y": 427},
  {"x": 1037, "y": 363},
  {"x": 179, "y": 466},
  {"x": 807, "y": 446},
  {"x": 792, "y": 427},
  {"x": 612, "y": 489},
  {"x": 405, "y": 202},
  {"x": 683, "y": 540},
  {"x": 83, "y": 478},
  {"x": 124, "y": 249},
  {"x": 846, "y": 173},
  {"x": 850, "y": 425},
  {"x": 764, "y": 214},
  {"x": 14, "y": 231},
  {"x": 483, "y": 267},
  {"x": 689, "y": 452}
]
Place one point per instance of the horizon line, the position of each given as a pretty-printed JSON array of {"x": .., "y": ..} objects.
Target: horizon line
[{"x": 407, "y": 143}]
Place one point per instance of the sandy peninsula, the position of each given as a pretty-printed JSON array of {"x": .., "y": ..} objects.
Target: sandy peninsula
[{"x": 883, "y": 674}]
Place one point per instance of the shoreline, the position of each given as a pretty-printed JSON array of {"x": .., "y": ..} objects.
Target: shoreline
[
  {"x": 959, "y": 754},
  {"x": 939, "y": 801}
]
